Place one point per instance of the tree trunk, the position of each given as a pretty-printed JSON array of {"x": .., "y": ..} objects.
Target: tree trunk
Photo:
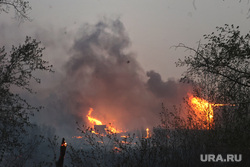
[{"x": 59, "y": 163}]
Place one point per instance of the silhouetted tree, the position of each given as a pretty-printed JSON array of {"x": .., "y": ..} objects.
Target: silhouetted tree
[
  {"x": 220, "y": 69},
  {"x": 224, "y": 63},
  {"x": 17, "y": 72}
]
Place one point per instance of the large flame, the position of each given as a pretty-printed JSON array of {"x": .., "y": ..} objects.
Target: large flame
[
  {"x": 93, "y": 121},
  {"x": 203, "y": 111},
  {"x": 204, "y": 114}
]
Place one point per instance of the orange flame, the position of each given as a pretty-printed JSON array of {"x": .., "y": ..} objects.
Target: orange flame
[
  {"x": 94, "y": 121},
  {"x": 203, "y": 111},
  {"x": 64, "y": 144},
  {"x": 147, "y": 130},
  {"x": 117, "y": 149},
  {"x": 77, "y": 137},
  {"x": 112, "y": 129}
]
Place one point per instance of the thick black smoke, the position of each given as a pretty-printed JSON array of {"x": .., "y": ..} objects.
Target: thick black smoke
[
  {"x": 172, "y": 91},
  {"x": 102, "y": 74}
]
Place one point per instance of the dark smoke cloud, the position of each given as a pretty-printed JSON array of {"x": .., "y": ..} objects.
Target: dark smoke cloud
[
  {"x": 102, "y": 74},
  {"x": 170, "y": 90},
  {"x": 159, "y": 88},
  {"x": 108, "y": 79}
]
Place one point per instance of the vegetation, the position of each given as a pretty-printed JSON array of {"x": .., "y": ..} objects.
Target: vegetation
[
  {"x": 221, "y": 65},
  {"x": 17, "y": 70},
  {"x": 219, "y": 72},
  {"x": 221, "y": 69},
  {"x": 20, "y": 7},
  {"x": 218, "y": 69}
]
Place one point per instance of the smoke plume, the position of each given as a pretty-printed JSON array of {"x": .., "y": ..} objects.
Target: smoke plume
[{"x": 101, "y": 73}]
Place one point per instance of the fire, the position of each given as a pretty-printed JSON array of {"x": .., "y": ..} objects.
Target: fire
[
  {"x": 117, "y": 149},
  {"x": 94, "y": 121},
  {"x": 147, "y": 130},
  {"x": 124, "y": 142},
  {"x": 64, "y": 144},
  {"x": 77, "y": 137},
  {"x": 112, "y": 129},
  {"x": 203, "y": 111}
]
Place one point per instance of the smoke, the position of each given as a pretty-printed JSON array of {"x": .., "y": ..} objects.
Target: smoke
[
  {"x": 170, "y": 90},
  {"x": 101, "y": 73},
  {"x": 107, "y": 78}
]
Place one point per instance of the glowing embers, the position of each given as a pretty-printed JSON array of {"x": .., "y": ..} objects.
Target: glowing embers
[
  {"x": 98, "y": 125},
  {"x": 203, "y": 112},
  {"x": 64, "y": 144},
  {"x": 77, "y": 137}
]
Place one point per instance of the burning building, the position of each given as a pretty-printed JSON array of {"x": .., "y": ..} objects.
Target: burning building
[{"x": 98, "y": 126}]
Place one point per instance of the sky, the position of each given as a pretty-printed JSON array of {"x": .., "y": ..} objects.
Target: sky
[
  {"x": 143, "y": 32},
  {"x": 153, "y": 26}
]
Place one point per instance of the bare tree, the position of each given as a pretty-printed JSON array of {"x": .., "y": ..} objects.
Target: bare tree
[
  {"x": 223, "y": 62},
  {"x": 20, "y": 7}
]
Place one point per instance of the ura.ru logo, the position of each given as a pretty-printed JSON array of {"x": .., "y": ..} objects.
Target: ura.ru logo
[{"x": 220, "y": 158}]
